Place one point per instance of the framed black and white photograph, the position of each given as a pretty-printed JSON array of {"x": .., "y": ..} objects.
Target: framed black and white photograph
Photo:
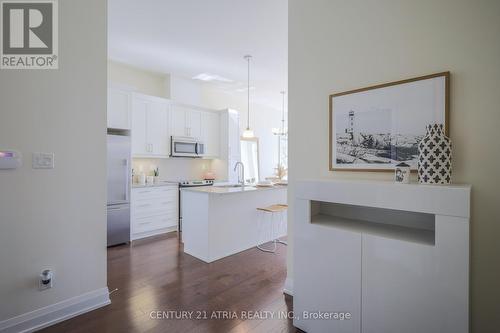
[{"x": 375, "y": 128}]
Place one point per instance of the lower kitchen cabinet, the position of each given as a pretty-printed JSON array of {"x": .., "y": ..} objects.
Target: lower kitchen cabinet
[{"x": 155, "y": 210}]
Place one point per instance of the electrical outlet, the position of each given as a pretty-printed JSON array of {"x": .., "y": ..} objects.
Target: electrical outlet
[
  {"x": 43, "y": 160},
  {"x": 46, "y": 280}
]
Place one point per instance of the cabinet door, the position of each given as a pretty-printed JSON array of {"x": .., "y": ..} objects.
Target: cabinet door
[
  {"x": 140, "y": 145},
  {"x": 417, "y": 287},
  {"x": 211, "y": 133},
  {"x": 194, "y": 124},
  {"x": 119, "y": 108},
  {"x": 327, "y": 277},
  {"x": 178, "y": 121},
  {"x": 157, "y": 129}
]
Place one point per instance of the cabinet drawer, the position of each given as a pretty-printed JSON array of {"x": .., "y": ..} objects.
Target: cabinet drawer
[
  {"x": 154, "y": 206},
  {"x": 152, "y": 192},
  {"x": 151, "y": 223}
]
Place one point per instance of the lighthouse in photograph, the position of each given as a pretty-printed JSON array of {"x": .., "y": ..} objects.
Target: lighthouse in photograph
[{"x": 350, "y": 129}]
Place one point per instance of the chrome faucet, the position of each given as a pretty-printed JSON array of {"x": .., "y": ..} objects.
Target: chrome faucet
[{"x": 242, "y": 181}]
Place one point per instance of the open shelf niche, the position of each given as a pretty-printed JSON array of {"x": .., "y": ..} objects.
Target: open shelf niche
[{"x": 396, "y": 224}]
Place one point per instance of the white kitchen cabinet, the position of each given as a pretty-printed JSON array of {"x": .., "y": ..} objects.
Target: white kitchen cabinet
[
  {"x": 154, "y": 210},
  {"x": 186, "y": 121},
  {"x": 139, "y": 127},
  {"x": 158, "y": 129},
  {"x": 119, "y": 108},
  {"x": 194, "y": 123},
  {"x": 150, "y": 130},
  {"x": 178, "y": 124},
  {"x": 211, "y": 133}
]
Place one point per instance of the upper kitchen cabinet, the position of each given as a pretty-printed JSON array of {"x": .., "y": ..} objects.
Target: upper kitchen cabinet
[
  {"x": 150, "y": 130},
  {"x": 185, "y": 121},
  {"x": 211, "y": 133},
  {"x": 119, "y": 108}
]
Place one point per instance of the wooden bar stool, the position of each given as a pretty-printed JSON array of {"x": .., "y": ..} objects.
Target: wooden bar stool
[{"x": 273, "y": 231}]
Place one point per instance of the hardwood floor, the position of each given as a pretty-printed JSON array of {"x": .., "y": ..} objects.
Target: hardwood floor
[{"x": 155, "y": 275}]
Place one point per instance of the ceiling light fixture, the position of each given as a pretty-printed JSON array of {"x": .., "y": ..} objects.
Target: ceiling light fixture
[
  {"x": 248, "y": 133},
  {"x": 283, "y": 130},
  {"x": 207, "y": 77}
]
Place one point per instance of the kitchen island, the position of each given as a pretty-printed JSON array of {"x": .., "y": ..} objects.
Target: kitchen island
[{"x": 219, "y": 221}]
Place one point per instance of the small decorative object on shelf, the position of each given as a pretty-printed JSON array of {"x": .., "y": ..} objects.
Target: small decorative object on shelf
[
  {"x": 156, "y": 173},
  {"x": 434, "y": 156},
  {"x": 402, "y": 173}
]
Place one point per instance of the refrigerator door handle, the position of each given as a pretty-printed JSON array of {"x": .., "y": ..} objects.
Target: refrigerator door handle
[
  {"x": 119, "y": 207},
  {"x": 125, "y": 162}
]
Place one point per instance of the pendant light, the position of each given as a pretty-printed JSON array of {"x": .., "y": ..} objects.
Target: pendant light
[
  {"x": 248, "y": 133},
  {"x": 282, "y": 131}
]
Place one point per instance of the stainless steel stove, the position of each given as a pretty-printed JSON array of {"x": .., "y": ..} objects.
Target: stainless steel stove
[
  {"x": 190, "y": 183},
  {"x": 194, "y": 183}
]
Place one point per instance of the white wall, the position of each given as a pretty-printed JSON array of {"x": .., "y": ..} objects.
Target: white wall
[
  {"x": 56, "y": 218},
  {"x": 139, "y": 80},
  {"x": 185, "y": 91},
  {"x": 336, "y": 46},
  {"x": 262, "y": 120}
]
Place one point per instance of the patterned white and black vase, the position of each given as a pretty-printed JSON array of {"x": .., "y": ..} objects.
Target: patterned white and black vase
[{"x": 434, "y": 156}]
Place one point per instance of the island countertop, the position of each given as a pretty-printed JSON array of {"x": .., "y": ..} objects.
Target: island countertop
[{"x": 232, "y": 189}]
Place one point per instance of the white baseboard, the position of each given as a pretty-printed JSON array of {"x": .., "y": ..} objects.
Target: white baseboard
[
  {"x": 288, "y": 289},
  {"x": 54, "y": 313}
]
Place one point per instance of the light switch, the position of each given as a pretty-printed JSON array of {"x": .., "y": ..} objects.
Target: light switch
[{"x": 43, "y": 160}]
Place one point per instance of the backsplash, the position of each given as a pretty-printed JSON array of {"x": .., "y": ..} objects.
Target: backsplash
[{"x": 173, "y": 169}]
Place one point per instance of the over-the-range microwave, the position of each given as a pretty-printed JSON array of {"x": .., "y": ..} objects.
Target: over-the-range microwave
[{"x": 186, "y": 147}]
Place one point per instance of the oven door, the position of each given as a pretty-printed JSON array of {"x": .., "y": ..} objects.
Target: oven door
[{"x": 183, "y": 148}]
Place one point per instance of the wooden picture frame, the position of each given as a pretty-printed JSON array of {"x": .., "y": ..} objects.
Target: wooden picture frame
[{"x": 408, "y": 105}]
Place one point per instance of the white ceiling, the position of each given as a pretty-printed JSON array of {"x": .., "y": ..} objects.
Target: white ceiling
[{"x": 189, "y": 37}]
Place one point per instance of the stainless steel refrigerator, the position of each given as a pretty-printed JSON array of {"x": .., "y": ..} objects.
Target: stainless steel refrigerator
[{"x": 119, "y": 179}]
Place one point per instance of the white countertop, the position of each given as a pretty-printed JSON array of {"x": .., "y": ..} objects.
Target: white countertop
[
  {"x": 229, "y": 190},
  {"x": 161, "y": 183}
]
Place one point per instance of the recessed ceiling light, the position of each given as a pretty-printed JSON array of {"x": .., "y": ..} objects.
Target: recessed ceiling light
[{"x": 211, "y": 77}]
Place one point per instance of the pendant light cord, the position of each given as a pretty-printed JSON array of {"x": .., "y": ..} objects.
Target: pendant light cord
[
  {"x": 248, "y": 92},
  {"x": 283, "y": 114}
]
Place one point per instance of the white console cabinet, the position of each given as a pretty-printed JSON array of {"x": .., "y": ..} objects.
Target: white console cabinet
[{"x": 395, "y": 257}]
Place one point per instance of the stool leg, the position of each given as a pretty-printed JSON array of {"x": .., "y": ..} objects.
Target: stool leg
[
  {"x": 260, "y": 247},
  {"x": 282, "y": 220}
]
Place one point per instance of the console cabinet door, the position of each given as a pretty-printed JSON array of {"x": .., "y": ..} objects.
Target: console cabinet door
[
  {"x": 415, "y": 287},
  {"x": 329, "y": 278}
]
